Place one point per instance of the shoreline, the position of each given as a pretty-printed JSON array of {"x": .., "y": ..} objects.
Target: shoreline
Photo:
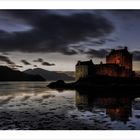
[{"x": 101, "y": 86}]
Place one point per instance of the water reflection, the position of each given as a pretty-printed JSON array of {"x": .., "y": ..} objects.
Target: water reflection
[
  {"x": 116, "y": 108},
  {"x": 32, "y": 105}
]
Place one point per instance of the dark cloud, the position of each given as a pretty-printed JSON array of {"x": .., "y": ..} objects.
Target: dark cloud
[
  {"x": 38, "y": 60},
  {"x": 126, "y": 14},
  {"x": 43, "y": 62},
  {"x": 25, "y": 62},
  {"x": 47, "y": 64},
  {"x": 97, "y": 53},
  {"x": 35, "y": 65},
  {"x": 136, "y": 55},
  {"x": 92, "y": 53},
  {"x": 70, "y": 51},
  {"x": 53, "y": 32},
  {"x": 5, "y": 53},
  {"x": 9, "y": 62},
  {"x": 6, "y": 60},
  {"x": 18, "y": 66},
  {"x": 15, "y": 67}
]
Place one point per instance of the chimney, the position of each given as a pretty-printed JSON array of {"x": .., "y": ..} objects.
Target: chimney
[{"x": 125, "y": 48}]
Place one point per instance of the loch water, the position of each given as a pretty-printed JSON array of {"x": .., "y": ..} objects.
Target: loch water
[{"x": 34, "y": 106}]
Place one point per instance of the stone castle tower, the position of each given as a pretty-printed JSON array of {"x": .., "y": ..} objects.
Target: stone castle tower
[{"x": 120, "y": 57}]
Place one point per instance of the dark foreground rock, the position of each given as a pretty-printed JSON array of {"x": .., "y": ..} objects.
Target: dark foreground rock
[{"x": 61, "y": 84}]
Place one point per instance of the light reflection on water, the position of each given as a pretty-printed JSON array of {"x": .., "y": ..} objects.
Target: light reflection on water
[{"x": 31, "y": 105}]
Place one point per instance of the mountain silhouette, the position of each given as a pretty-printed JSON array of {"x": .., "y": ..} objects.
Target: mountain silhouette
[
  {"x": 8, "y": 74},
  {"x": 49, "y": 75}
]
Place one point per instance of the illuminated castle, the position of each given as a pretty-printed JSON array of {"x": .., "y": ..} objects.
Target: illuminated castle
[{"x": 118, "y": 64}]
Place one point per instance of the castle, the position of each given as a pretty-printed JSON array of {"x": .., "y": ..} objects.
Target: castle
[{"x": 118, "y": 64}]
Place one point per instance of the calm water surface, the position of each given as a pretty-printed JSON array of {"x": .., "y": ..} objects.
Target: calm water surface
[{"x": 31, "y": 105}]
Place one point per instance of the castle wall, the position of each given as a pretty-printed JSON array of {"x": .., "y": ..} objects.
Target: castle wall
[
  {"x": 81, "y": 71},
  {"x": 106, "y": 70},
  {"x": 127, "y": 62},
  {"x": 125, "y": 73},
  {"x": 112, "y": 70}
]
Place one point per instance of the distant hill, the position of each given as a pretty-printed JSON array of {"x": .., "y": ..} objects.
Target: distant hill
[
  {"x": 69, "y": 73},
  {"x": 8, "y": 74},
  {"x": 50, "y": 75}
]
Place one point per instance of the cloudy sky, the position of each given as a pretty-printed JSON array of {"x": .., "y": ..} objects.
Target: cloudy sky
[{"x": 56, "y": 39}]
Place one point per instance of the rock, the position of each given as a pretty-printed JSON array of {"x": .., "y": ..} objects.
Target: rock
[{"x": 57, "y": 84}]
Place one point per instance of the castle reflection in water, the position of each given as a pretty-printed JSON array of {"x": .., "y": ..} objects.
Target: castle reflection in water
[{"x": 119, "y": 109}]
